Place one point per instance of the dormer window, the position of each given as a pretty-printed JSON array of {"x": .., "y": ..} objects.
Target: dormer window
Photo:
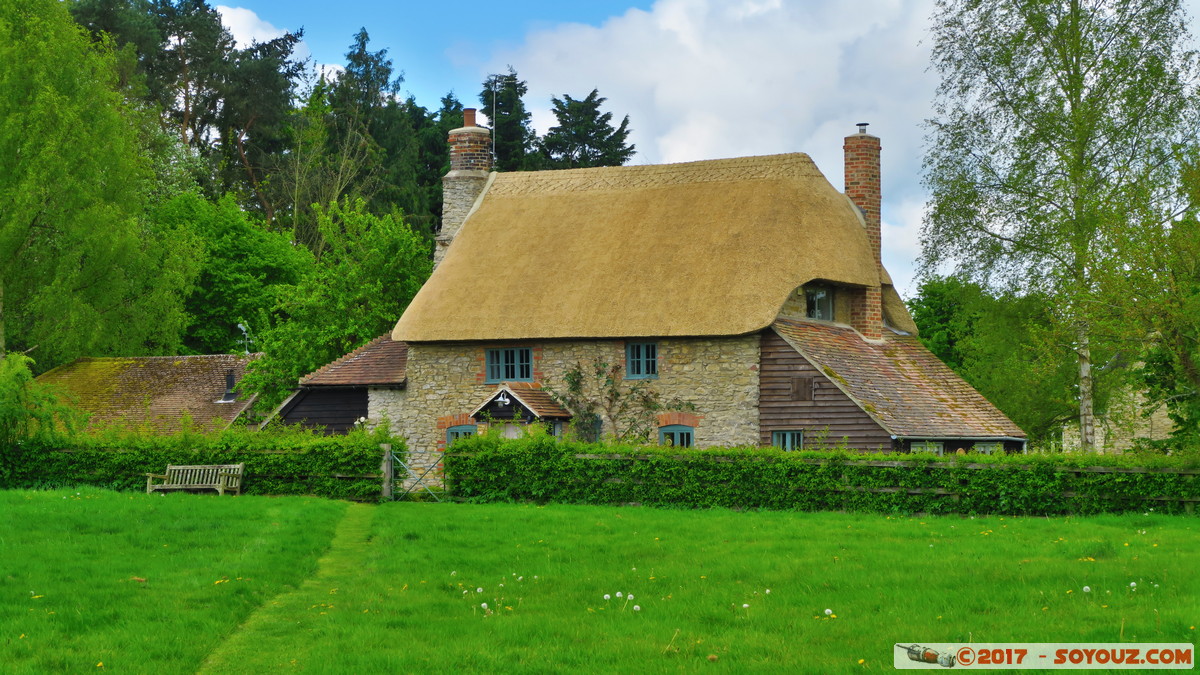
[{"x": 819, "y": 301}]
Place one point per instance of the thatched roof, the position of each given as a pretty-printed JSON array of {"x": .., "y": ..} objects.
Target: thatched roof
[
  {"x": 381, "y": 362},
  {"x": 153, "y": 392},
  {"x": 695, "y": 249},
  {"x": 899, "y": 383}
]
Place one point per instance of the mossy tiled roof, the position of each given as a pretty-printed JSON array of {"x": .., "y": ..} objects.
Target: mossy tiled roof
[
  {"x": 898, "y": 382},
  {"x": 155, "y": 393}
]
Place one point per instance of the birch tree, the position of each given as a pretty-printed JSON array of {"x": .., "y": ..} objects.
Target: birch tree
[{"x": 1056, "y": 124}]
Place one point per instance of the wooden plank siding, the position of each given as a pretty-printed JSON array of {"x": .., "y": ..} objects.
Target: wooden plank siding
[
  {"x": 826, "y": 419},
  {"x": 334, "y": 409}
]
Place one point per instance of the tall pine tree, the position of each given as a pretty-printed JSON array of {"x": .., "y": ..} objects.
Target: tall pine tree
[
  {"x": 584, "y": 136},
  {"x": 512, "y": 133}
]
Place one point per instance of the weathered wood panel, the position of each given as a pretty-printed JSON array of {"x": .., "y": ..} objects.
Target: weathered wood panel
[
  {"x": 829, "y": 415},
  {"x": 334, "y": 409}
]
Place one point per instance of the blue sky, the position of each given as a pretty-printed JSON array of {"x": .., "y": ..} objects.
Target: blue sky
[{"x": 699, "y": 79}]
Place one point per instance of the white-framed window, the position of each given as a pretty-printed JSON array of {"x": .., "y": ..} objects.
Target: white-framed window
[
  {"x": 988, "y": 448},
  {"x": 788, "y": 440},
  {"x": 936, "y": 447}
]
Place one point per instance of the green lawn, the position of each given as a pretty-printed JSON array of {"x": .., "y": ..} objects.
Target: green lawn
[{"x": 402, "y": 587}]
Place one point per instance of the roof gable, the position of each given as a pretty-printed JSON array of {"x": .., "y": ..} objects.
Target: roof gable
[
  {"x": 534, "y": 401},
  {"x": 899, "y": 383},
  {"x": 155, "y": 392},
  {"x": 702, "y": 248}
]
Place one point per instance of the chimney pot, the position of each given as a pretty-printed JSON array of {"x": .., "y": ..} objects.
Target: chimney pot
[{"x": 469, "y": 117}]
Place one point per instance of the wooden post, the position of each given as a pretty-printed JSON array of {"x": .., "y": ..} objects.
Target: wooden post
[{"x": 389, "y": 471}]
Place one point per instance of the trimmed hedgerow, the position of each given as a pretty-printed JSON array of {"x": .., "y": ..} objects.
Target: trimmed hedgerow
[
  {"x": 278, "y": 462},
  {"x": 542, "y": 469}
]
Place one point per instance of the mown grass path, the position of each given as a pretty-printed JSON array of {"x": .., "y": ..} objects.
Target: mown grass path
[{"x": 283, "y": 620}]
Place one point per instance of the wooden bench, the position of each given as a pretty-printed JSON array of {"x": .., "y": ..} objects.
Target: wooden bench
[{"x": 219, "y": 477}]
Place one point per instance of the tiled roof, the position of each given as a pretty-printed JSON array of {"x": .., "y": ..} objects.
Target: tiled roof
[
  {"x": 532, "y": 396},
  {"x": 899, "y": 383},
  {"x": 539, "y": 402},
  {"x": 153, "y": 392},
  {"x": 381, "y": 361}
]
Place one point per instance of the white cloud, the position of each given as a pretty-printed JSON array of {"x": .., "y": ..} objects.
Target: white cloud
[
  {"x": 247, "y": 28},
  {"x": 703, "y": 79}
]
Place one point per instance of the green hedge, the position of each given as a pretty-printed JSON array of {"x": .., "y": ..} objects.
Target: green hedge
[
  {"x": 278, "y": 462},
  {"x": 541, "y": 469}
]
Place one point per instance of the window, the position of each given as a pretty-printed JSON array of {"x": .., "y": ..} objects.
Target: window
[
  {"x": 988, "y": 448},
  {"x": 641, "y": 360},
  {"x": 457, "y": 432},
  {"x": 819, "y": 302},
  {"x": 514, "y": 364},
  {"x": 926, "y": 446},
  {"x": 676, "y": 435},
  {"x": 788, "y": 440}
]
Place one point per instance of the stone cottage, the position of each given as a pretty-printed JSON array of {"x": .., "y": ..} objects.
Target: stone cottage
[{"x": 750, "y": 288}]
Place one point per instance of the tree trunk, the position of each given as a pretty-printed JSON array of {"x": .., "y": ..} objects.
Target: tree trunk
[{"x": 1087, "y": 420}]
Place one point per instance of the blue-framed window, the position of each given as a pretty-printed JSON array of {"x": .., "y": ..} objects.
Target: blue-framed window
[
  {"x": 641, "y": 360},
  {"x": 456, "y": 432},
  {"x": 514, "y": 364},
  {"x": 788, "y": 440},
  {"x": 676, "y": 435}
]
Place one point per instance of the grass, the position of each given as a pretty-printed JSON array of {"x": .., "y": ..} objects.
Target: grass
[
  {"x": 143, "y": 584},
  {"x": 402, "y": 587}
]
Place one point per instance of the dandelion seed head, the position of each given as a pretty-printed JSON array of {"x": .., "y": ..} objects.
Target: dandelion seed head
[
  {"x": 607, "y": 596},
  {"x": 629, "y": 597},
  {"x": 745, "y": 605},
  {"x": 637, "y": 608},
  {"x": 483, "y": 605},
  {"x": 768, "y": 591},
  {"x": 828, "y": 612},
  {"x": 1133, "y": 584},
  {"x": 478, "y": 590},
  {"x": 619, "y": 595},
  {"x": 1087, "y": 589}
]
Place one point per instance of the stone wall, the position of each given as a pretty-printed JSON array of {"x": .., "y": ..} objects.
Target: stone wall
[{"x": 719, "y": 376}]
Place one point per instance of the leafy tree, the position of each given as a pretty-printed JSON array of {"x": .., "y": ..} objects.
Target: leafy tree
[
  {"x": 512, "y": 132},
  {"x": 28, "y": 409},
  {"x": 367, "y": 272},
  {"x": 1162, "y": 282},
  {"x": 80, "y": 270},
  {"x": 322, "y": 166},
  {"x": 584, "y": 137},
  {"x": 229, "y": 105},
  {"x": 244, "y": 264},
  {"x": 1056, "y": 123},
  {"x": 994, "y": 341}
]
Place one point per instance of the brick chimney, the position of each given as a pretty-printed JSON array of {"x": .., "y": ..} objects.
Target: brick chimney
[
  {"x": 470, "y": 162},
  {"x": 862, "y": 187}
]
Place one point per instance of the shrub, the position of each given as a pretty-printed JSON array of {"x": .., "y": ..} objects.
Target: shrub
[
  {"x": 283, "y": 461},
  {"x": 542, "y": 469}
]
